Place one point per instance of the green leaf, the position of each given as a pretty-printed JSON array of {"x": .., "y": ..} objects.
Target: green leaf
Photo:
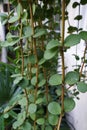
[
  {"x": 6, "y": 43},
  {"x": 71, "y": 40},
  {"x": 83, "y": 2},
  {"x": 24, "y": 16},
  {"x": 69, "y": 104},
  {"x": 3, "y": 18},
  {"x": 40, "y": 121},
  {"x": 33, "y": 116},
  {"x": 82, "y": 87},
  {"x": 48, "y": 54},
  {"x": 32, "y": 108},
  {"x": 34, "y": 80},
  {"x": 2, "y": 123},
  {"x": 17, "y": 80},
  {"x": 42, "y": 61},
  {"x": 52, "y": 44},
  {"x": 78, "y": 17},
  {"x": 83, "y": 35},
  {"x": 22, "y": 102},
  {"x": 48, "y": 128},
  {"x": 41, "y": 82},
  {"x": 59, "y": 91},
  {"x": 39, "y": 100},
  {"x": 27, "y": 31},
  {"x": 13, "y": 19},
  {"x": 40, "y": 33},
  {"x": 75, "y": 4},
  {"x": 53, "y": 119},
  {"x": 54, "y": 108},
  {"x": 24, "y": 83},
  {"x": 27, "y": 126},
  {"x": 72, "y": 77},
  {"x": 19, "y": 10},
  {"x": 55, "y": 79},
  {"x": 32, "y": 59}
]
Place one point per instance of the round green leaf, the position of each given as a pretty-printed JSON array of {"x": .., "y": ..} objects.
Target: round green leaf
[
  {"x": 55, "y": 79},
  {"x": 52, "y": 44},
  {"x": 82, "y": 87},
  {"x": 34, "y": 80},
  {"x": 71, "y": 40},
  {"x": 53, "y": 119},
  {"x": 32, "y": 108},
  {"x": 27, "y": 126},
  {"x": 69, "y": 104},
  {"x": 83, "y": 35},
  {"x": 48, "y": 54},
  {"x": 40, "y": 121},
  {"x": 48, "y": 128},
  {"x": 54, "y": 108},
  {"x": 72, "y": 77}
]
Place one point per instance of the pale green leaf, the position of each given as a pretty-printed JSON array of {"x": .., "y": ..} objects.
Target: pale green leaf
[
  {"x": 40, "y": 121},
  {"x": 55, "y": 79},
  {"x": 54, "y": 108},
  {"x": 34, "y": 80},
  {"x": 19, "y": 9},
  {"x": 13, "y": 19},
  {"x": 32, "y": 108},
  {"x": 6, "y": 43}
]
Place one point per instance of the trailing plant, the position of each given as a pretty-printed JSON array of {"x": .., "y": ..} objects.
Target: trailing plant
[{"x": 43, "y": 99}]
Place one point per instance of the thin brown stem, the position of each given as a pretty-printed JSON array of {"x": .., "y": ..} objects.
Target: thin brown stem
[
  {"x": 83, "y": 61},
  {"x": 63, "y": 64}
]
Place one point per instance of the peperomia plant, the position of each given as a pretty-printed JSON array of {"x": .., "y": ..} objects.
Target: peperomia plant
[{"x": 35, "y": 37}]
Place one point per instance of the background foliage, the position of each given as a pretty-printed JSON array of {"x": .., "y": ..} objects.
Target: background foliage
[{"x": 33, "y": 95}]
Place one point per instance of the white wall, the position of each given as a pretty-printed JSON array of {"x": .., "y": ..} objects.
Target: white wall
[
  {"x": 2, "y": 38},
  {"x": 78, "y": 117}
]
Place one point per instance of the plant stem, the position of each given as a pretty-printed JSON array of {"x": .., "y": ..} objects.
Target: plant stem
[
  {"x": 83, "y": 61},
  {"x": 63, "y": 65}
]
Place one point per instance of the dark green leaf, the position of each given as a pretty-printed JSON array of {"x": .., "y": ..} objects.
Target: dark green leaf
[
  {"x": 69, "y": 104},
  {"x": 54, "y": 108},
  {"x": 72, "y": 77},
  {"x": 78, "y": 17},
  {"x": 82, "y": 87},
  {"x": 55, "y": 79},
  {"x": 83, "y": 2},
  {"x": 2, "y": 123},
  {"x": 75, "y": 4}
]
